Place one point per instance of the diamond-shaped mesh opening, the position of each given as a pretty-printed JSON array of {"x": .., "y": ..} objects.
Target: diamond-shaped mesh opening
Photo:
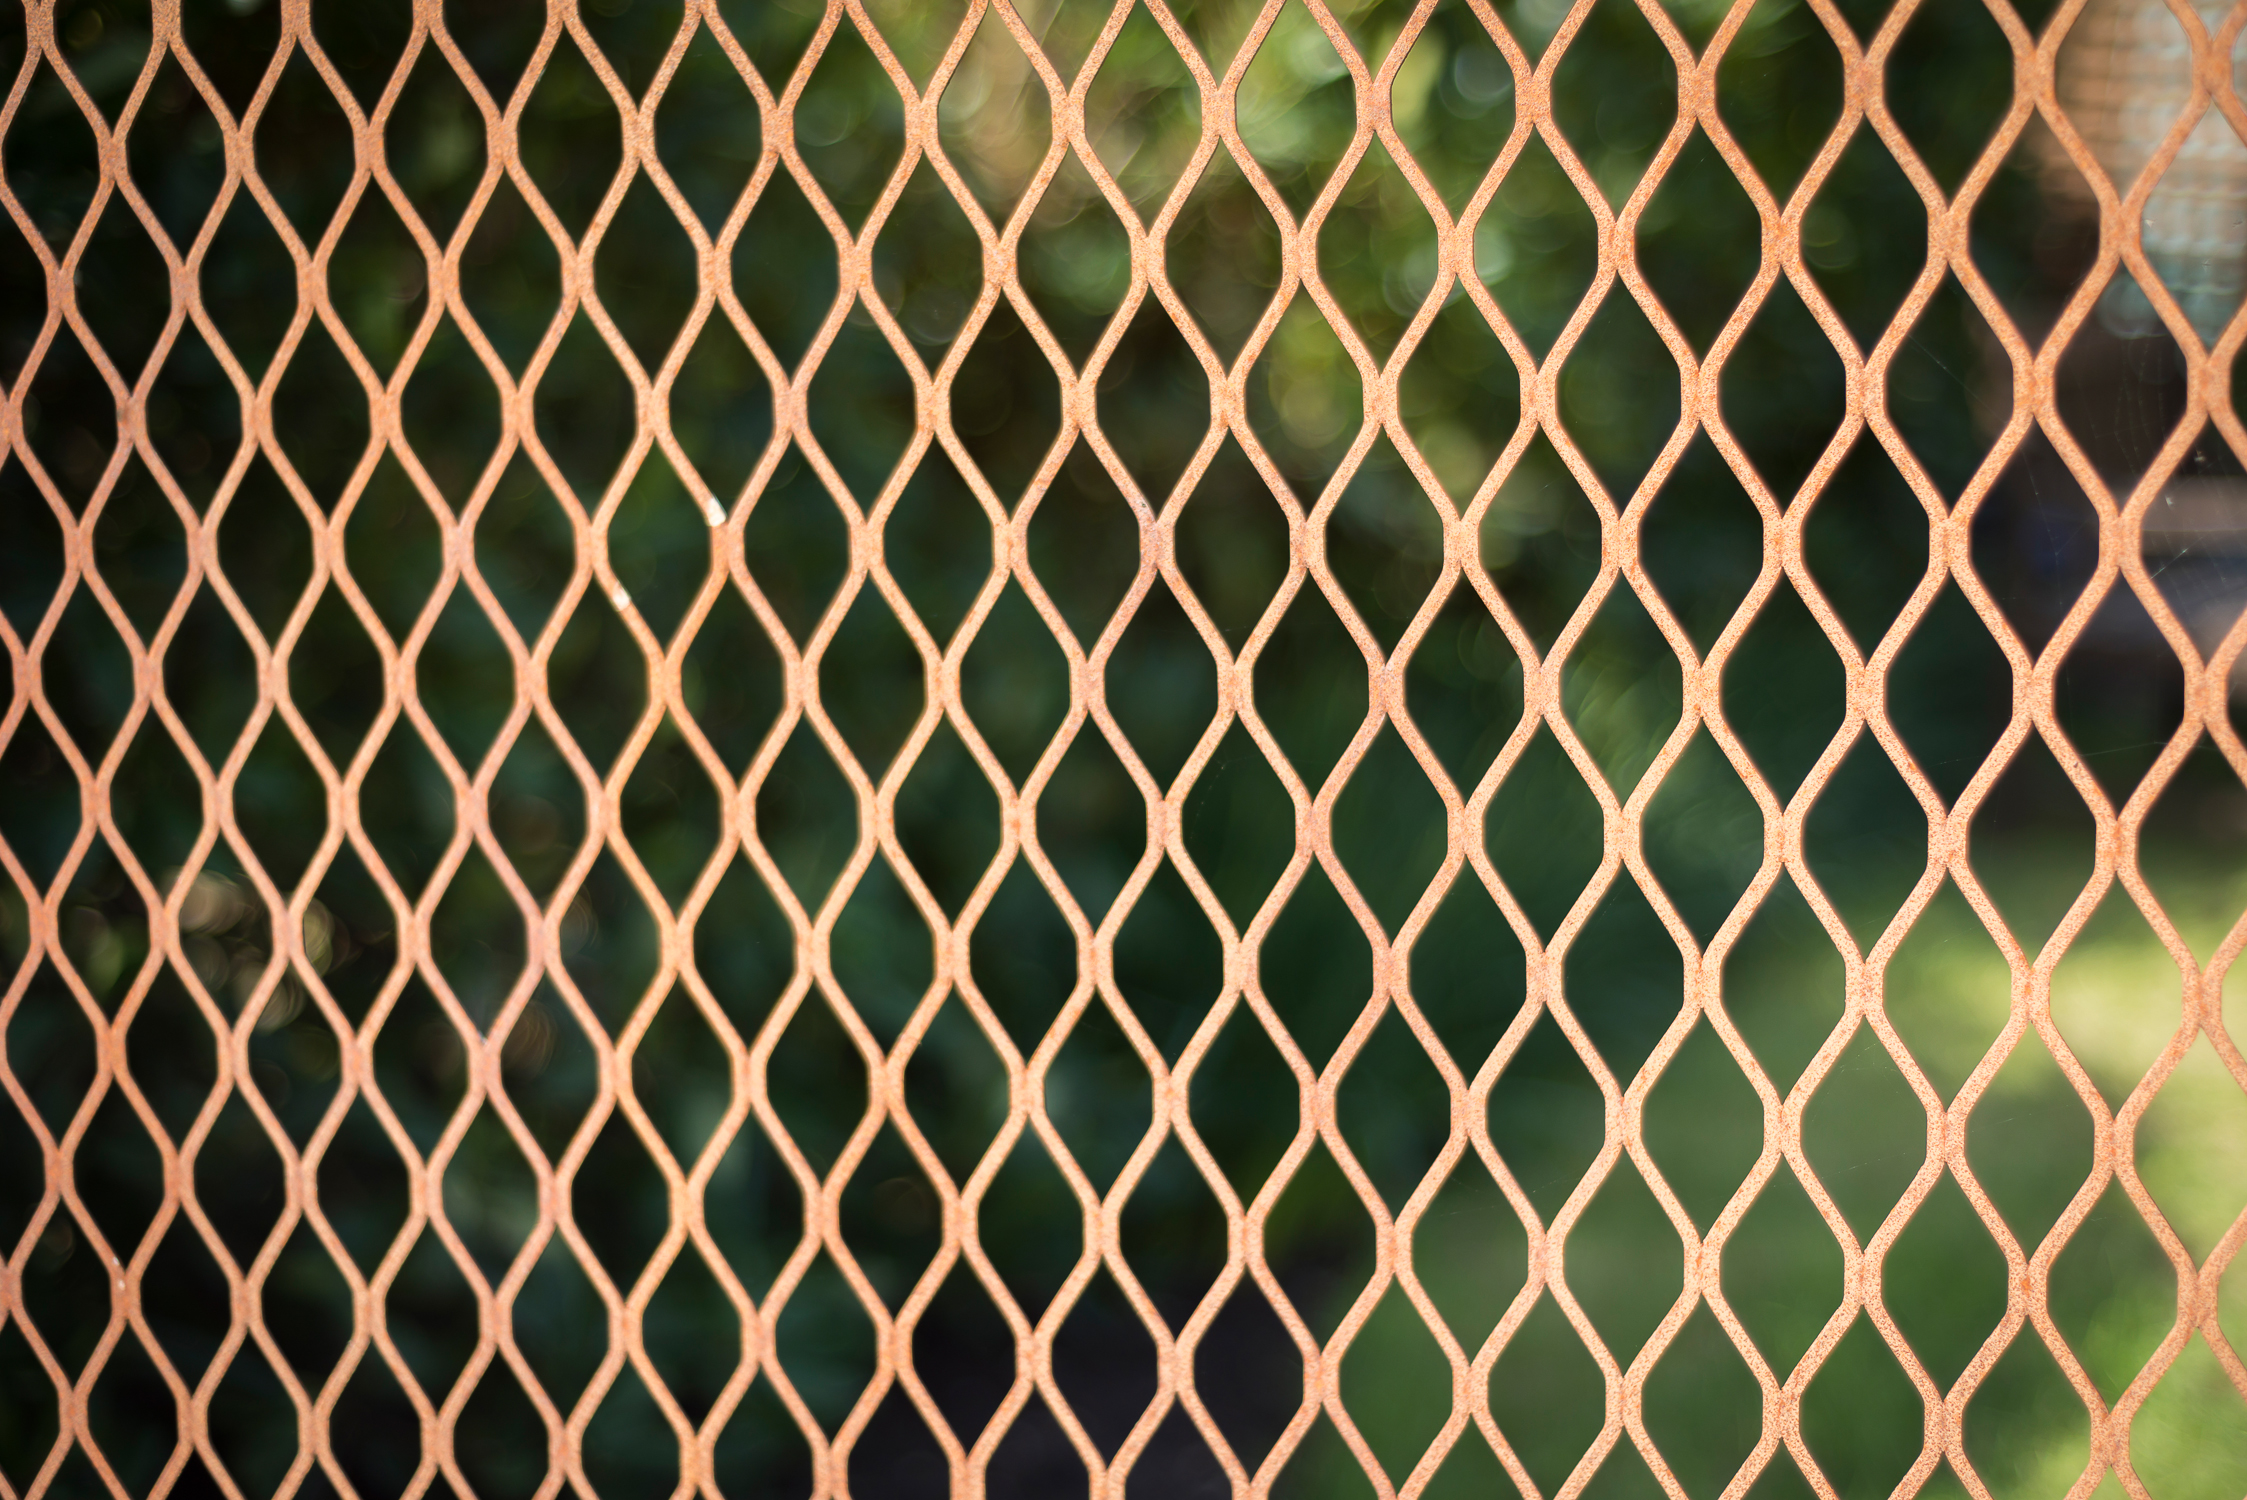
[{"x": 1323, "y": 747}]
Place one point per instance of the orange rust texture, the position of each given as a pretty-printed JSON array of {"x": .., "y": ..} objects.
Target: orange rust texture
[{"x": 1469, "y": 1080}]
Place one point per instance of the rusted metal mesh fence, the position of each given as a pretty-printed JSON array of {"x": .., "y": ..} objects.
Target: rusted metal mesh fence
[{"x": 662, "y": 1024}]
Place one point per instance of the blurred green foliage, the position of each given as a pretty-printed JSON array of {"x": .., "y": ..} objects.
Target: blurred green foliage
[{"x": 1536, "y": 248}]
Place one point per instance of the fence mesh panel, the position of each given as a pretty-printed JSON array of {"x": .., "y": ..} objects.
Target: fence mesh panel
[{"x": 240, "y": 947}]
